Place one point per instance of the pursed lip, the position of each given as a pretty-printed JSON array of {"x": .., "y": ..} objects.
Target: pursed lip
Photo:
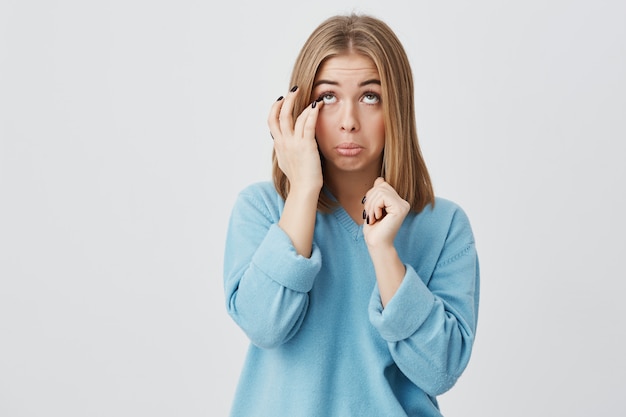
[{"x": 348, "y": 149}]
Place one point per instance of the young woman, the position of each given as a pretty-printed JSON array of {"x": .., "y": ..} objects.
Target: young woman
[{"x": 356, "y": 286}]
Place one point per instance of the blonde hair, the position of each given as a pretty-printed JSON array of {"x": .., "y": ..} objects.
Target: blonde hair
[{"x": 403, "y": 166}]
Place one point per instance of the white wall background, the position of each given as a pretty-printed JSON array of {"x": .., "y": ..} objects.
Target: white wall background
[{"x": 128, "y": 127}]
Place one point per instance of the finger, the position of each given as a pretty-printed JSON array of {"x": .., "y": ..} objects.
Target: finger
[
  {"x": 378, "y": 208},
  {"x": 371, "y": 205},
  {"x": 285, "y": 118},
  {"x": 376, "y": 203},
  {"x": 298, "y": 128},
  {"x": 373, "y": 208},
  {"x": 305, "y": 125},
  {"x": 379, "y": 211},
  {"x": 272, "y": 119}
]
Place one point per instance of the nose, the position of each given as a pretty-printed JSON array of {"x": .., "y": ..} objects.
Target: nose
[{"x": 349, "y": 118}]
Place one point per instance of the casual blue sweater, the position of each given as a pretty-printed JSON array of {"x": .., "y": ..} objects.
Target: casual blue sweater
[{"x": 321, "y": 342}]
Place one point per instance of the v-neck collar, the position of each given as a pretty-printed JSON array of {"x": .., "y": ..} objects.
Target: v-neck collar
[{"x": 355, "y": 230}]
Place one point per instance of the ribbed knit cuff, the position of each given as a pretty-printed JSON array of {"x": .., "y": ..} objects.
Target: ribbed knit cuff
[
  {"x": 405, "y": 312},
  {"x": 277, "y": 258}
]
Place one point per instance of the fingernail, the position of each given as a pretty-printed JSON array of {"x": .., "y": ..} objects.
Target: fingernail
[
  {"x": 320, "y": 98},
  {"x": 367, "y": 220},
  {"x": 363, "y": 201},
  {"x": 364, "y": 215},
  {"x": 294, "y": 88},
  {"x": 313, "y": 104},
  {"x": 280, "y": 98}
]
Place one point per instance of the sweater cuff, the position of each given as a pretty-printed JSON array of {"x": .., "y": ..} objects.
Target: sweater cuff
[
  {"x": 405, "y": 312},
  {"x": 277, "y": 258}
]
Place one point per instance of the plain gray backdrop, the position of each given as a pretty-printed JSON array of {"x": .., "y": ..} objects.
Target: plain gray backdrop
[{"x": 128, "y": 127}]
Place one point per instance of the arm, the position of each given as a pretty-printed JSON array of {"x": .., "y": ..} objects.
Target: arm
[
  {"x": 298, "y": 218},
  {"x": 298, "y": 157},
  {"x": 384, "y": 212},
  {"x": 270, "y": 261},
  {"x": 430, "y": 328},
  {"x": 266, "y": 281}
]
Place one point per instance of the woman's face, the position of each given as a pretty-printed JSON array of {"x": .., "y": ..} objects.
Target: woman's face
[{"x": 350, "y": 127}]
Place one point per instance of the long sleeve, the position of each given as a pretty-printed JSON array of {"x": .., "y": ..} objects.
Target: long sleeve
[
  {"x": 430, "y": 323},
  {"x": 321, "y": 342},
  {"x": 266, "y": 282}
]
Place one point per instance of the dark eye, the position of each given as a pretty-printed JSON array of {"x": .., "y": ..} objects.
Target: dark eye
[
  {"x": 328, "y": 98},
  {"x": 371, "y": 98}
]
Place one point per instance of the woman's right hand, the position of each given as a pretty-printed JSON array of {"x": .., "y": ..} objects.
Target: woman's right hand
[{"x": 294, "y": 143}]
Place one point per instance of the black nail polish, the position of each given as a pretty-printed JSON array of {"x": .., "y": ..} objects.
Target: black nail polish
[
  {"x": 364, "y": 214},
  {"x": 313, "y": 104},
  {"x": 367, "y": 220},
  {"x": 363, "y": 201},
  {"x": 320, "y": 98},
  {"x": 280, "y": 98},
  {"x": 294, "y": 88}
]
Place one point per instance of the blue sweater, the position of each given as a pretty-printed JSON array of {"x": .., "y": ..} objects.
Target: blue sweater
[{"x": 321, "y": 342}]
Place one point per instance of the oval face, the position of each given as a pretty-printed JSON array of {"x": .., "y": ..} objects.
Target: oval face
[{"x": 350, "y": 128}]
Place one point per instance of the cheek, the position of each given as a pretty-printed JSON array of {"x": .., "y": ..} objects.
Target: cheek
[
  {"x": 381, "y": 126},
  {"x": 378, "y": 126}
]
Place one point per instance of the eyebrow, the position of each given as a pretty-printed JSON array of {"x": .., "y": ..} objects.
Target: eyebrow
[{"x": 361, "y": 84}]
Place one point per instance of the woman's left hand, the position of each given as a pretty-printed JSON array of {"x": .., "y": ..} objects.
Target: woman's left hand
[{"x": 384, "y": 212}]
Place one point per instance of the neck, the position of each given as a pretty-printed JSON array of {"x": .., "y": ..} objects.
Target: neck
[{"x": 350, "y": 187}]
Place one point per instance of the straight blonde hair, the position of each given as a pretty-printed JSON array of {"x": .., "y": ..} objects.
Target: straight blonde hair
[{"x": 403, "y": 166}]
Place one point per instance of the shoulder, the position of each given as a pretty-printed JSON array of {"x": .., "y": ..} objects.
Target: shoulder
[
  {"x": 438, "y": 234},
  {"x": 262, "y": 189},
  {"x": 449, "y": 209},
  {"x": 444, "y": 210},
  {"x": 459, "y": 237},
  {"x": 260, "y": 196},
  {"x": 446, "y": 219}
]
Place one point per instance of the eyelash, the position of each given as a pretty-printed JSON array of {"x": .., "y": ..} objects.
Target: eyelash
[
  {"x": 366, "y": 93},
  {"x": 324, "y": 94},
  {"x": 371, "y": 93}
]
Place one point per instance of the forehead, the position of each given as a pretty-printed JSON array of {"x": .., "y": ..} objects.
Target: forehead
[{"x": 347, "y": 66}]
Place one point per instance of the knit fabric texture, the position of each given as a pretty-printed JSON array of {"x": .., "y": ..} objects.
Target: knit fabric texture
[{"x": 321, "y": 343}]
